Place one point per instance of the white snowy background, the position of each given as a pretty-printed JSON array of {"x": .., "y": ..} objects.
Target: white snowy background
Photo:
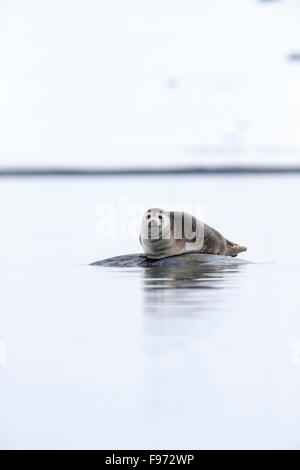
[{"x": 115, "y": 83}]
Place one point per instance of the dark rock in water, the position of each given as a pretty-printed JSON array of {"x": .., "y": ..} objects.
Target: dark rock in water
[
  {"x": 125, "y": 261},
  {"x": 187, "y": 260}
]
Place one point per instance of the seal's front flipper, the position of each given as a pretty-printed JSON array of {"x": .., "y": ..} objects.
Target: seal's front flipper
[{"x": 233, "y": 249}]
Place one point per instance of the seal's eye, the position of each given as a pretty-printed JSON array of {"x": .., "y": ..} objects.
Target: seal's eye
[
  {"x": 160, "y": 217},
  {"x": 148, "y": 216}
]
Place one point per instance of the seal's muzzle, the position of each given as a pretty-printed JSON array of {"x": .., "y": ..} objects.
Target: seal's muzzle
[{"x": 154, "y": 230}]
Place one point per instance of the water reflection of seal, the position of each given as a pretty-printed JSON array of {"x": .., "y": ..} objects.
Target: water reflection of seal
[{"x": 166, "y": 234}]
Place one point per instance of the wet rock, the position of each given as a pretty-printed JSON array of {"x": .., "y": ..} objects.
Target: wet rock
[{"x": 186, "y": 260}]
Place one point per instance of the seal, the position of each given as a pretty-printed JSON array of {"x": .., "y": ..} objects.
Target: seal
[{"x": 165, "y": 234}]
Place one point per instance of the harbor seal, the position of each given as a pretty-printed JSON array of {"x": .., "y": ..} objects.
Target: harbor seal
[{"x": 165, "y": 234}]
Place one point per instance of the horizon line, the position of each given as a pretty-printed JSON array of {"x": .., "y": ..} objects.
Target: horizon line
[{"x": 56, "y": 171}]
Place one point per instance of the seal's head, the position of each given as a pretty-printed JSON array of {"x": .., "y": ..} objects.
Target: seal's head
[{"x": 155, "y": 231}]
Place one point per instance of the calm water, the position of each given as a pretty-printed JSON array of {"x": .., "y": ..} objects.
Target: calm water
[{"x": 148, "y": 358}]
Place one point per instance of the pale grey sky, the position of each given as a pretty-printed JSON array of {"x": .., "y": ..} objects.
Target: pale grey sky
[{"x": 110, "y": 82}]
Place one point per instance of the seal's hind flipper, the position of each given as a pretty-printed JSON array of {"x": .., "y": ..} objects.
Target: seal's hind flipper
[{"x": 233, "y": 249}]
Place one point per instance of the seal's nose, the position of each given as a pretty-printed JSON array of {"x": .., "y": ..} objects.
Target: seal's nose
[
  {"x": 154, "y": 229},
  {"x": 153, "y": 223}
]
